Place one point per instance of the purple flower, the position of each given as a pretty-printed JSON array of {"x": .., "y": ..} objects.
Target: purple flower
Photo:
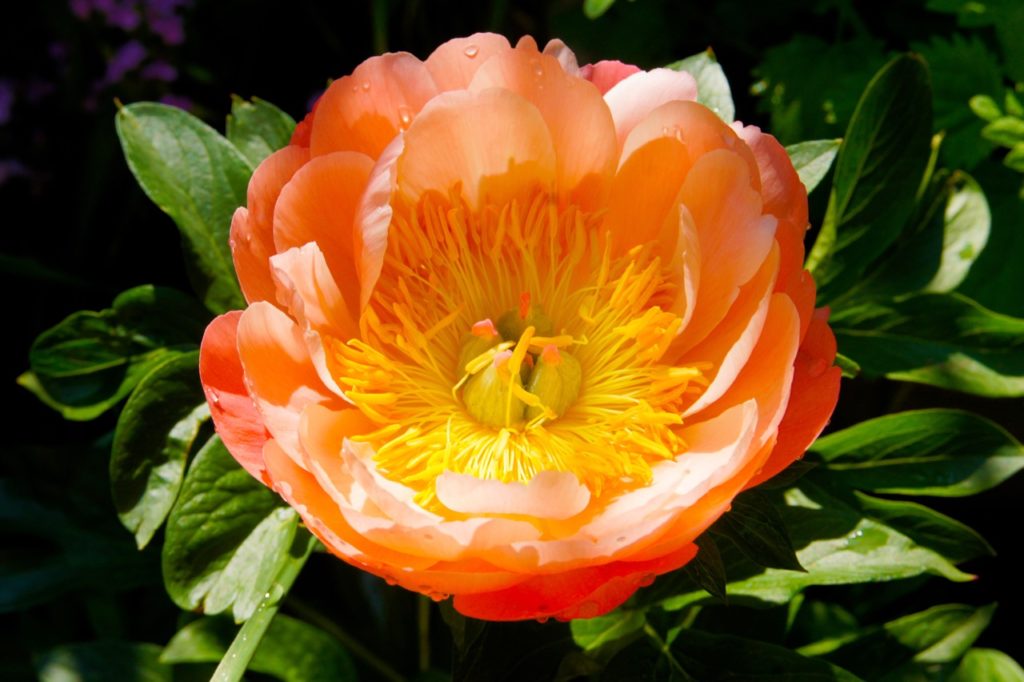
[
  {"x": 127, "y": 58},
  {"x": 160, "y": 71}
]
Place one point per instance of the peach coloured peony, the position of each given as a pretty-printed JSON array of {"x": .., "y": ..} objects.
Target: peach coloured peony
[{"x": 518, "y": 330}]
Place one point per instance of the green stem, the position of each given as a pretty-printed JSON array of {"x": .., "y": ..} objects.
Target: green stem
[
  {"x": 423, "y": 627},
  {"x": 353, "y": 645},
  {"x": 242, "y": 649}
]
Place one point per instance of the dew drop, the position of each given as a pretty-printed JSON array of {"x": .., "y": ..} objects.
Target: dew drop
[
  {"x": 543, "y": 619},
  {"x": 621, "y": 538},
  {"x": 404, "y": 117},
  {"x": 538, "y": 69},
  {"x": 366, "y": 86},
  {"x": 214, "y": 397},
  {"x": 471, "y": 51},
  {"x": 817, "y": 368}
]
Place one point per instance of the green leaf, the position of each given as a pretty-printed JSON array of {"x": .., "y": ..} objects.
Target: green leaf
[
  {"x": 697, "y": 655},
  {"x": 927, "y": 527},
  {"x": 196, "y": 177},
  {"x": 985, "y": 107},
  {"x": 909, "y": 647},
  {"x": 837, "y": 544},
  {"x": 944, "y": 340},
  {"x": 258, "y": 128},
  {"x": 708, "y": 570},
  {"x": 940, "y": 452},
  {"x": 712, "y": 86},
  {"x": 812, "y": 160},
  {"x": 1014, "y": 160},
  {"x": 989, "y": 665},
  {"x": 595, "y": 8},
  {"x": 227, "y": 537},
  {"x": 103, "y": 662},
  {"x": 1006, "y": 131},
  {"x": 92, "y": 360},
  {"x": 880, "y": 164},
  {"x": 155, "y": 433},
  {"x": 755, "y": 526},
  {"x": 593, "y": 633},
  {"x": 849, "y": 368},
  {"x": 291, "y": 650},
  {"x": 961, "y": 67}
]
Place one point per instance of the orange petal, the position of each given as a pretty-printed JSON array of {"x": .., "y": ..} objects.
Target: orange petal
[
  {"x": 319, "y": 205},
  {"x": 571, "y": 592},
  {"x": 580, "y": 124},
  {"x": 365, "y": 111},
  {"x": 645, "y": 193},
  {"x": 632, "y": 98},
  {"x": 494, "y": 142},
  {"x": 252, "y": 231},
  {"x": 279, "y": 372},
  {"x": 453, "y": 64},
  {"x": 812, "y": 399},
  {"x": 734, "y": 237},
  {"x": 373, "y": 218},
  {"x": 731, "y": 345},
  {"x": 307, "y": 290},
  {"x": 695, "y": 126},
  {"x": 235, "y": 417}
]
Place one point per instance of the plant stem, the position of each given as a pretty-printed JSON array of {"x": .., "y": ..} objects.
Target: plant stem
[
  {"x": 243, "y": 647},
  {"x": 353, "y": 645}
]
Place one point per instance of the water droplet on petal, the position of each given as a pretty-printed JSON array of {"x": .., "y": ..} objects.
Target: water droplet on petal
[
  {"x": 214, "y": 397},
  {"x": 404, "y": 117},
  {"x": 538, "y": 69},
  {"x": 817, "y": 367},
  {"x": 366, "y": 86},
  {"x": 471, "y": 51}
]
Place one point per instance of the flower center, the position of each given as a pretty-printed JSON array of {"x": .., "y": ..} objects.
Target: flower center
[{"x": 511, "y": 340}]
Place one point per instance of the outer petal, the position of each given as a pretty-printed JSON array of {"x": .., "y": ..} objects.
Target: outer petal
[
  {"x": 605, "y": 74},
  {"x": 550, "y": 495},
  {"x": 365, "y": 111},
  {"x": 453, "y": 64},
  {"x": 319, "y": 205},
  {"x": 279, "y": 372},
  {"x": 252, "y": 231},
  {"x": 632, "y": 98},
  {"x": 585, "y": 592},
  {"x": 238, "y": 422},
  {"x": 812, "y": 399},
  {"x": 494, "y": 142}
]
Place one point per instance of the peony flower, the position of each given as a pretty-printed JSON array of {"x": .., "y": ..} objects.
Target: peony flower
[{"x": 519, "y": 331}]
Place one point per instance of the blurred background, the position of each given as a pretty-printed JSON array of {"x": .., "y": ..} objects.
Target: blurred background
[{"x": 77, "y": 229}]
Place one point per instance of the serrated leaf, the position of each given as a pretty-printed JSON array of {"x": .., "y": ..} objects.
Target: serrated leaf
[
  {"x": 103, "y": 662},
  {"x": 881, "y": 161},
  {"x": 836, "y": 543},
  {"x": 291, "y": 650},
  {"x": 941, "y": 452},
  {"x": 156, "y": 430},
  {"x": 810, "y": 86},
  {"x": 91, "y": 361},
  {"x": 258, "y": 128},
  {"x": 944, "y": 340},
  {"x": 910, "y": 646},
  {"x": 712, "y": 86},
  {"x": 989, "y": 665},
  {"x": 1006, "y": 131},
  {"x": 961, "y": 67},
  {"x": 812, "y": 160},
  {"x": 196, "y": 177},
  {"x": 707, "y": 657},
  {"x": 226, "y": 537},
  {"x": 755, "y": 526}
]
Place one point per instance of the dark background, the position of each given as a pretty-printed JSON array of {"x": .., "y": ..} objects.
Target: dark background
[{"x": 77, "y": 230}]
